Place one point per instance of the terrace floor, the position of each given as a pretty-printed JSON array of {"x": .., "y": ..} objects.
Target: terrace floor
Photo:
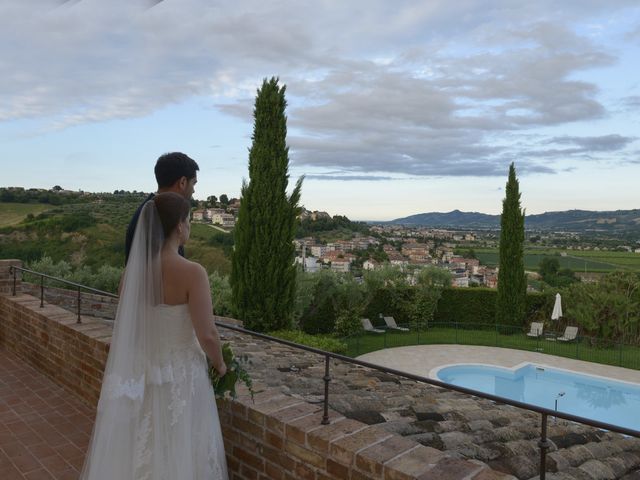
[{"x": 44, "y": 431}]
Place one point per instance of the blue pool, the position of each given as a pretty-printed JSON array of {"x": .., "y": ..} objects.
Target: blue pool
[{"x": 597, "y": 398}]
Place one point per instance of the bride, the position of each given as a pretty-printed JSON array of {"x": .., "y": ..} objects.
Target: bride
[{"x": 157, "y": 417}]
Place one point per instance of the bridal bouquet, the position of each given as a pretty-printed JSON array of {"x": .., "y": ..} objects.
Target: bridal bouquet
[{"x": 235, "y": 371}]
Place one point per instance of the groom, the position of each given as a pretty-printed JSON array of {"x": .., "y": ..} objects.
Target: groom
[{"x": 175, "y": 172}]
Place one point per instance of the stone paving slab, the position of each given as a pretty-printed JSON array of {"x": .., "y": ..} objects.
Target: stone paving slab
[{"x": 44, "y": 430}]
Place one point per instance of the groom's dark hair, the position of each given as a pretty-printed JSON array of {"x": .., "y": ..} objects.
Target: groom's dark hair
[{"x": 171, "y": 167}]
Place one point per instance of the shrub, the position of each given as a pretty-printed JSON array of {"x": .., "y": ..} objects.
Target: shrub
[
  {"x": 107, "y": 278},
  {"x": 323, "y": 342},
  {"x": 347, "y": 323},
  {"x": 220, "y": 294},
  {"x": 395, "y": 300}
]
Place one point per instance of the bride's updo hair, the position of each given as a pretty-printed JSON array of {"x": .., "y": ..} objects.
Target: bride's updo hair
[{"x": 172, "y": 210}]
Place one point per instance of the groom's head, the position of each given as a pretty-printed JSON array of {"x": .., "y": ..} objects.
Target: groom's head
[{"x": 176, "y": 172}]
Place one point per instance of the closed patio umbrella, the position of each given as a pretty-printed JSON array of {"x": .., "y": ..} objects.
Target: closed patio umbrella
[{"x": 557, "y": 308}]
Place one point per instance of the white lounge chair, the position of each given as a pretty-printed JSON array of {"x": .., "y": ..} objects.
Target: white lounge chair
[
  {"x": 569, "y": 335},
  {"x": 536, "y": 329},
  {"x": 391, "y": 323},
  {"x": 366, "y": 324}
]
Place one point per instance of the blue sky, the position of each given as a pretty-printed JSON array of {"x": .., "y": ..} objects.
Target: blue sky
[{"x": 395, "y": 108}]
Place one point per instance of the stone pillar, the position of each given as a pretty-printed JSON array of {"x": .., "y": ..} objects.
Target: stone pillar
[{"x": 6, "y": 278}]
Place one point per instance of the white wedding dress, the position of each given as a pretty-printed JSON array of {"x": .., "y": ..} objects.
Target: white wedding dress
[{"x": 157, "y": 418}]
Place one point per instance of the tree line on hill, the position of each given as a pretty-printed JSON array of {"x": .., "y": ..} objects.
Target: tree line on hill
[{"x": 58, "y": 196}]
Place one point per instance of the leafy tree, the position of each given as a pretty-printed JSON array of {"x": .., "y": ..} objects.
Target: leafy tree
[
  {"x": 551, "y": 273},
  {"x": 430, "y": 283},
  {"x": 224, "y": 200},
  {"x": 609, "y": 309},
  {"x": 212, "y": 201},
  {"x": 512, "y": 283},
  {"x": 220, "y": 294},
  {"x": 548, "y": 267},
  {"x": 263, "y": 273},
  {"x": 319, "y": 313}
]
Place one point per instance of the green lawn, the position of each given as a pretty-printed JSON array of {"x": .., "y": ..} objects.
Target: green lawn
[
  {"x": 205, "y": 231},
  {"x": 14, "y": 213},
  {"x": 587, "y": 349}
]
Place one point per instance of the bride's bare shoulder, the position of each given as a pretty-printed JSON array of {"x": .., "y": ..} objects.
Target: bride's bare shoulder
[{"x": 194, "y": 269}]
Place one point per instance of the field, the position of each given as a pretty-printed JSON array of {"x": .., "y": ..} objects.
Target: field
[
  {"x": 14, "y": 213},
  {"x": 579, "y": 261}
]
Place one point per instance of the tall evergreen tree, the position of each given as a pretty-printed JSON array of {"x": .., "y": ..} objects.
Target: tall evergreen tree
[
  {"x": 512, "y": 283},
  {"x": 263, "y": 274}
]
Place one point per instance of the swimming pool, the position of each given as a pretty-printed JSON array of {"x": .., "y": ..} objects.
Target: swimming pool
[{"x": 597, "y": 398}]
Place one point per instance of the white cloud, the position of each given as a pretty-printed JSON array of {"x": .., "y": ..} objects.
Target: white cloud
[{"x": 403, "y": 87}]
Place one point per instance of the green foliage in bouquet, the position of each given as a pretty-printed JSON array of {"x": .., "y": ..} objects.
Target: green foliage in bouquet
[{"x": 226, "y": 385}]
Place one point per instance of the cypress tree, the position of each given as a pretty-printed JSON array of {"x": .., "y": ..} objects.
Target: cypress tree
[
  {"x": 512, "y": 283},
  {"x": 263, "y": 274}
]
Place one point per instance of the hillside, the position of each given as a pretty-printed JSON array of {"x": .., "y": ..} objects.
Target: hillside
[
  {"x": 571, "y": 220},
  {"x": 14, "y": 213},
  {"x": 90, "y": 233}
]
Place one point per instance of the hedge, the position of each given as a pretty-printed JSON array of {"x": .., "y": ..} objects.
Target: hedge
[{"x": 478, "y": 305}]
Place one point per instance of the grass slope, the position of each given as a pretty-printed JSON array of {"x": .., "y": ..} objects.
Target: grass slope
[{"x": 14, "y": 213}]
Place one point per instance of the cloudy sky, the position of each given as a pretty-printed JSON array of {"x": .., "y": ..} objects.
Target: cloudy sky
[{"x": 395, "y": 108}]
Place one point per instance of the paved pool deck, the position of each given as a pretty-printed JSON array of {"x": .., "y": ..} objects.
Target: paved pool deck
[{"x": 422, "y": 359}]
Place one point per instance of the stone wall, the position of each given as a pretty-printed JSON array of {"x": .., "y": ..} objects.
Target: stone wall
[
  {"x": 99, "y": 306},
  {"x": 280, "y": 437}
]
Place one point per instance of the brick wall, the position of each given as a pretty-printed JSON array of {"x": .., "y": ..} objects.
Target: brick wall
[
  {"x": 274, "y": 436},
  {"x": 6, "y": 280},
  {"x": 280, "y": 437}
]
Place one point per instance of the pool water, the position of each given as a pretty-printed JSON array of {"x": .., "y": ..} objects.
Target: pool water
[{"x": 597, "y": 398}]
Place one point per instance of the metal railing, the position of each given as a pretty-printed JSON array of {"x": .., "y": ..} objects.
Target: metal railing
[
  {"x": 583, "y": 347},
  {"x": 14, "y": 269},
  {"x": 543, "y": 443}
]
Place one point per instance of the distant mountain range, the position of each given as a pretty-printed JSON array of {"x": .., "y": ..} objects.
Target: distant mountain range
[{"x": 570, "y": 220}]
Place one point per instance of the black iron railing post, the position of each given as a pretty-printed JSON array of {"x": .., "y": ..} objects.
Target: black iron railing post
[
  {"x": 620, "y": 354},
  {"x": 14, "y": 271},
  {"x": 327, "y": 379},
  {"x": 544, "y": 445},
  {"x": 41, "y": 291},
  {"x": 79, "y": 321}
]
